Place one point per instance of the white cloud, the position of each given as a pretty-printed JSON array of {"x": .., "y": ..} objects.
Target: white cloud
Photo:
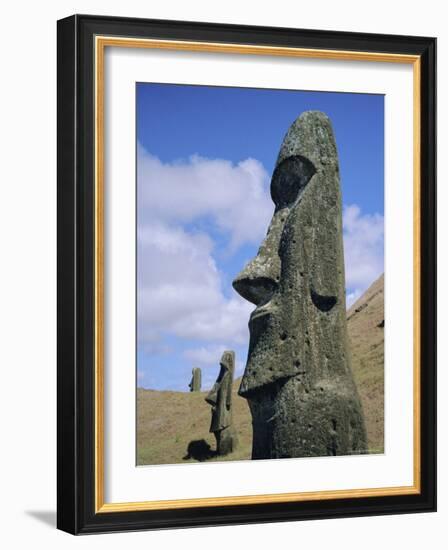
[
  {"x": 180, "y": 289},
  {"x": 180, "y": 286},
  {"x": 363, "y": 249},
  {"x": 352, "y": 297},
  {"x": 234, "y": 197},
  {"x": 205, "y": 356}
]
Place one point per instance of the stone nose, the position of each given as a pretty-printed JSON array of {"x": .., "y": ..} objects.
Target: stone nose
[
  {"x": 258, "y": 281},
  {"x": 255, "y": 289}
]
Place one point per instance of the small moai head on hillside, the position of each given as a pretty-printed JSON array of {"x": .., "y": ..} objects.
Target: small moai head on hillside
[
  {"x": 220, "y": 399},
  {"x": 196, "y": 380}
]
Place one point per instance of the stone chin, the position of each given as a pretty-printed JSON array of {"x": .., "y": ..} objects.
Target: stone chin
[{"x": 273, "y": 353}]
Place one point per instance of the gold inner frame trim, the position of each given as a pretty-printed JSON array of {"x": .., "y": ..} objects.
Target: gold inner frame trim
[{"x": 101, "y": 42}]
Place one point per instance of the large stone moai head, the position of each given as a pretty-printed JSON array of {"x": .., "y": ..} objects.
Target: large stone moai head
[
  {"x": 196, "y": 380},
  {"x": 220, "y": 399},
  {"x": 298, "y": 378}
]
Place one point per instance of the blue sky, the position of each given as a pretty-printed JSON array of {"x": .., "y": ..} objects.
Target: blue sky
[{"x": 204, "y": 160}]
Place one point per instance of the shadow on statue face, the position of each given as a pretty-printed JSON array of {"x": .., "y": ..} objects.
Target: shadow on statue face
[
  {"x": 212, "y": 396},
  {"x": 226, "y": 364}
]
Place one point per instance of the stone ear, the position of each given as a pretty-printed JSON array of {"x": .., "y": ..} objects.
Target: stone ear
[{"x": 324, "y": 303}]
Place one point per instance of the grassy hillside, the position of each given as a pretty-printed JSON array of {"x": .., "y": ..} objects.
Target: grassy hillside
[
  {"x": 183, "y": 425},
  {"x": 172, "y": 427},
  {"x": 366, "y": 331}
]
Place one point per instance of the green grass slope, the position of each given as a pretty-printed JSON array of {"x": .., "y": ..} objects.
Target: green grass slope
[
  {"x": 366, "y": 332},
  {"x": 170, "y": 423},
  {"x": 172, "y": 427}
]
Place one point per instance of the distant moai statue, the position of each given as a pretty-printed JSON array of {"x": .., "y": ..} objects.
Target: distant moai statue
[
  {"x": 196, "y": 380},
  {"x": 220, "y": 398},
  {"x": 298, "y": 379}
]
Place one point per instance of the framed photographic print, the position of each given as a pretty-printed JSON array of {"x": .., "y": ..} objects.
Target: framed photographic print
[{"x": 246, "y": 274}]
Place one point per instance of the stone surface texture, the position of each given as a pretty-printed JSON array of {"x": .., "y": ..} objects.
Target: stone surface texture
[
  {"x": 298, "y": 378},
  {"x": 220, "y": 399},
  {"x": 196, "y": 380}
]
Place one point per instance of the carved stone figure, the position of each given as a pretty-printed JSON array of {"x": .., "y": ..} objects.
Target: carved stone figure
[
  {"x": 220, "y": 398},
  {"x": 298, "y": 378},
  {"x": 196, "y": 380}
]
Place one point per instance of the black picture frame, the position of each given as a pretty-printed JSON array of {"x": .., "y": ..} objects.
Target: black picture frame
[{"x": 76, "y": 285}]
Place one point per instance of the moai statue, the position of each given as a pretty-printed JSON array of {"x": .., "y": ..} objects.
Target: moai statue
[
  {"x": 196, "y": 378},
  {"x": 220, "y": 398},
  {"x": 298, "y": 378}
]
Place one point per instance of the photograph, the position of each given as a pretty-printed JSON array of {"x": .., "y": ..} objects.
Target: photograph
[{"x": 260, "y": 273}]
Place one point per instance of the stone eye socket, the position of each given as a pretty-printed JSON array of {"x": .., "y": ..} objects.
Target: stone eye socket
[{"x": 289, "y": 179}]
